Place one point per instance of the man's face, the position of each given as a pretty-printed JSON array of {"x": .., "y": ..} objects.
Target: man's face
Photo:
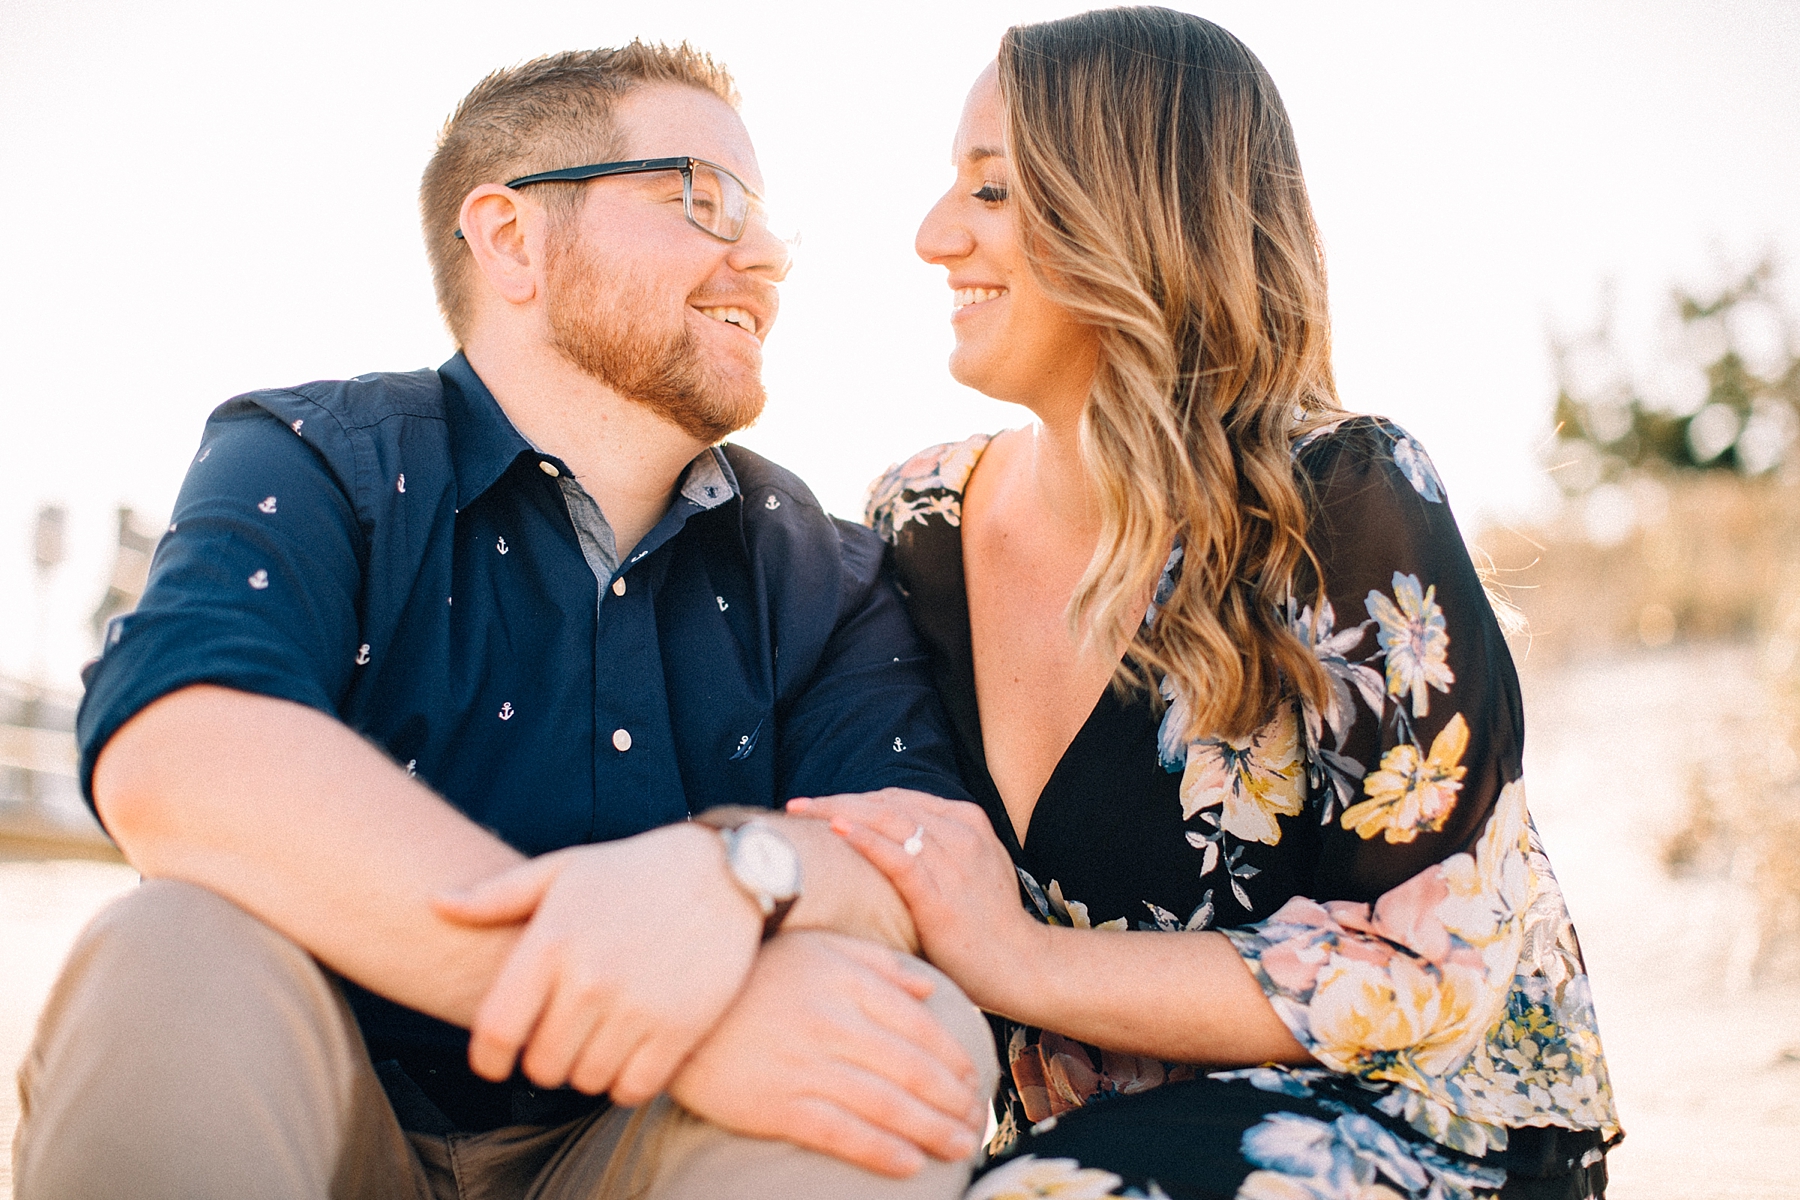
[{"x": 658, "y": 310}]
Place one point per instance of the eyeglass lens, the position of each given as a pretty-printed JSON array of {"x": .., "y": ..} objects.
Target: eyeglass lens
[{"x": 717, "y": 202}]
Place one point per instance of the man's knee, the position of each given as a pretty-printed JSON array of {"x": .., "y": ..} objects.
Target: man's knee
[
  {"x": 661, "y": 1152},
  {"x": 165, "y": 922},
  {"x": 180, "y": 1023},
  {"x": 174, "y": 960}
]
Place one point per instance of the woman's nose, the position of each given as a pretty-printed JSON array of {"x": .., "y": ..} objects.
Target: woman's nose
[{"x": 941, "y": 237}]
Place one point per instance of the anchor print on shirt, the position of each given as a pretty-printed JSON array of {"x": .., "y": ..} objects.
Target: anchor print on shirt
[
  {"x": 722, "y": 605},
  {"x": 899, "y": 745},
  {"x": 267, "y": 506},
  {"x": 506, "y": 711},
  {"x": 296, "y": 427},
  {"x": 771, "y": 503},
  {"x": 362, "y": 655},
  {"x": 205, "y": 453},
  {"x": 402, "y": 483},
  {"x": 501, "y": 546},
  {"x": 746, "y": 744},
  {"x": 260, "y": 580}
]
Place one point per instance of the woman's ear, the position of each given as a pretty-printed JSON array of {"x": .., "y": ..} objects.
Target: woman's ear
[{"x": 492, "y": 223}]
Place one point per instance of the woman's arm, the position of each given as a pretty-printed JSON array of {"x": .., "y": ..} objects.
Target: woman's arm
[
  {"x": 1411, "y": 944},
  {"x": 1181, "y": 997}
]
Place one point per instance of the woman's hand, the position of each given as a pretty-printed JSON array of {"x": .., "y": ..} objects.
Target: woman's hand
[{"x": 955, "y": 876}]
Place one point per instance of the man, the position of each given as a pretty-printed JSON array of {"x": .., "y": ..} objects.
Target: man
[{"x": 407, "y": 630}]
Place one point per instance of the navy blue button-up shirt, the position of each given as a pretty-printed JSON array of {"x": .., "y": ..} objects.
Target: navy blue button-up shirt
[{"x": 391, "y": 551}]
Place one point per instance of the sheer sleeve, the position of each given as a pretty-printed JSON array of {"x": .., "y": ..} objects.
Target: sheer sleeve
[
  {"x": 1425, "y": 729},
  {"x": 1434, "y": 951}
]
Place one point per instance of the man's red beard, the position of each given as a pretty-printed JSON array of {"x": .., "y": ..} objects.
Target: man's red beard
[{"x": 611, "y": 336}]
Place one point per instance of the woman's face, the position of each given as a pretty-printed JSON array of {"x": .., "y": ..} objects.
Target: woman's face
[{"x": 1012, "y": 342}]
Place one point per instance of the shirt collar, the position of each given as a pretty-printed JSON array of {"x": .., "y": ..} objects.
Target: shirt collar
[
  {"x": 484, "y": 443},
  {"x": 709, "y": 480}
]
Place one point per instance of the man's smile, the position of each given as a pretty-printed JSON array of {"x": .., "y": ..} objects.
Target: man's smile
[{"x": 732, "y": 316}]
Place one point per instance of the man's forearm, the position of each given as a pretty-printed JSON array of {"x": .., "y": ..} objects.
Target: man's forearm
[
  {"x": 840, "y": 891},
  {"x": 295, "y": 818}
]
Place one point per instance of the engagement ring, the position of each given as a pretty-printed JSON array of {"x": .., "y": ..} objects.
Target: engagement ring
[{"x": 916, "y": 843}]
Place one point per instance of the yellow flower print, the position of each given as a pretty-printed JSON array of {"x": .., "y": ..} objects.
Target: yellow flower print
[
  {"x": 1413, "y": 636},
  {"x": 1490, "y": 889},
  {"x": 1075, "y": 913},
  {"x": 1432, "y": 1019},
  {"x": 1256, "y": 778},
  {"x": 1409, "y": 794},
  {"x": 1031, "y": 1178}
]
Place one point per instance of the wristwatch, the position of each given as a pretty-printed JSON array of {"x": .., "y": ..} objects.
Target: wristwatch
[{"x": 764, "y": 864}]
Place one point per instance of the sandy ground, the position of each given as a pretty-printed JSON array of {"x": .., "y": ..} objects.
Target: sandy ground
[{"x": 1708, "y": 1076}]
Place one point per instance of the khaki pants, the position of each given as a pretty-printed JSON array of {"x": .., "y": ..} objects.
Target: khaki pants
[{"x": 188, "y": 1050}]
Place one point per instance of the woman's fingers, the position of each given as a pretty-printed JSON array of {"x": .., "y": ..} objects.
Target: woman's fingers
[
  {"x": 887, "y": 855},
  {"x": 503, "y": 899},
  {"x": 857, "y": 808}
]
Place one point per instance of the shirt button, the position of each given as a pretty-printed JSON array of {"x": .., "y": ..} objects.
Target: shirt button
[
  {"x": 621, "y": 740},
  {"x": 619, "y": 586},
  {"x": 549, "y": 468}
]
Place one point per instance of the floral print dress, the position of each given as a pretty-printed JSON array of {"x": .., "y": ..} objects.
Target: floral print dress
[{"x": 1372, "y": 861}]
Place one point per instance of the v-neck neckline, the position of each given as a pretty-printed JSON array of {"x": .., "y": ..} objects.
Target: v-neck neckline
[{"x": 964, "y": 665}]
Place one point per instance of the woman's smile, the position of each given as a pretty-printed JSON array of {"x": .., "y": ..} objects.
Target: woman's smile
[{"x": 965, "y": 300}]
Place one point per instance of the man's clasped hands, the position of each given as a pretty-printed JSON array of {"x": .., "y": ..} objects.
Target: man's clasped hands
[{"x": 818, "y": 1036}]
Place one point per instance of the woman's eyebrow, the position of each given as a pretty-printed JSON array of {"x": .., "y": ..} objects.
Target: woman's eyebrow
[{"x": 979, "y": 154}]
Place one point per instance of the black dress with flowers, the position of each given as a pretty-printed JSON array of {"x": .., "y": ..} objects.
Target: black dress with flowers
[{"x": 1372, "y": 861}]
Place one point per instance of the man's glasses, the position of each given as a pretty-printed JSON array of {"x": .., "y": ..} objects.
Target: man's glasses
[{"x": 712, "y": 198}]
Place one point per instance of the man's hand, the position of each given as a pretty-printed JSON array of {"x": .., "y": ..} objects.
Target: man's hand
[
  {"x": 631, "y": 951},
  {"x": 829, "y": 1047}
]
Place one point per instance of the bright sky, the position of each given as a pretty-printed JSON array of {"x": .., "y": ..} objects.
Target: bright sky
[{"x": 208, "y": 197}]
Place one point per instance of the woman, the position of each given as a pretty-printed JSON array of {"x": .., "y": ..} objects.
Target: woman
[{"x": 1293, "y": 936}]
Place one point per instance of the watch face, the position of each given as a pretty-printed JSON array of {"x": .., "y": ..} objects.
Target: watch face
[{"x": 766, "y": 861}]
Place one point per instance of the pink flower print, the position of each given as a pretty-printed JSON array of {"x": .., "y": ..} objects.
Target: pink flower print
[
  {"x": 1294, "y": 965},
  {"x": 1408, "y": 915}
]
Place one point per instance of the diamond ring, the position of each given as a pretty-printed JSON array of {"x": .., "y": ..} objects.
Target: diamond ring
[{"x": 916, "y": 843}]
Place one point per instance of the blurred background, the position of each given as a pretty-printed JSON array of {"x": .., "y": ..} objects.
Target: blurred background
[{"x": 1564, "y": 242}]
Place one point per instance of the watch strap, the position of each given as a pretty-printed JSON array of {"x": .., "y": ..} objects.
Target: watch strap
[{"x": 778, "y": 914}]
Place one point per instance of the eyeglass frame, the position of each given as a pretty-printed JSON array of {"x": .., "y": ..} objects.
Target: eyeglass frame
[{"x": 685, "y": 163}]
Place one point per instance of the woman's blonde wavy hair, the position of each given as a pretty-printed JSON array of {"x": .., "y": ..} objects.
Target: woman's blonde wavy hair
[{"x": 1160, "y": 198}]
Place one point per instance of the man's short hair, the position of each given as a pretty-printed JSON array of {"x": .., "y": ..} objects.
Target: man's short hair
[{"x": 542, "y": 115}]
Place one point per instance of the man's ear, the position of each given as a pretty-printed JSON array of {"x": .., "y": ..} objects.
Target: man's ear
[{"x": 493, "y": 224}]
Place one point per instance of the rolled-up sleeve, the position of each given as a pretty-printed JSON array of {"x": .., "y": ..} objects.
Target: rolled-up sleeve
[{"x": 255, "y": 586}]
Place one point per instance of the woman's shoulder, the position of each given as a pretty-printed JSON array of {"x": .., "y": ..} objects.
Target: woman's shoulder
[
  {"x": 929, "y": 483},
  {"x": 1360, "y": 449}
]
